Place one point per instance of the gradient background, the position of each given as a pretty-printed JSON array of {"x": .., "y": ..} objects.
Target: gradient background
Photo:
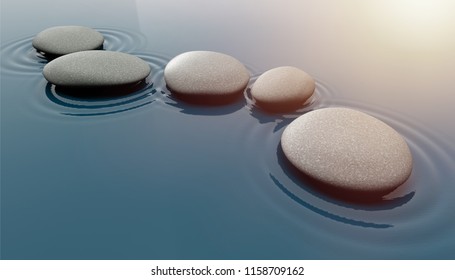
[{"x": 164, "y": 182}]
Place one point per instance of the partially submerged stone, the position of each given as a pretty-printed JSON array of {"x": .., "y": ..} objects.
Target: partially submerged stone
[
  {"x": 201, "y": 76},
  {"x": 61, "y": 40},
  {"x": 96, "y": 69},
  {"x": 348, "y": 150},
  {"x": 283, "y": 89}
]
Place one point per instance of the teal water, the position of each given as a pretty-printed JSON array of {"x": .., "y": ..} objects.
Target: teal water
[{"x": 147, "y": 176}]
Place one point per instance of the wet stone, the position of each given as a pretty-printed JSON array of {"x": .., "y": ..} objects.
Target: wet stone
[
  {"x": 61, "y": 40},
  {"x": 96, "y": 69},
  {"x": 205, "y": 76},
  {"x": 348, "y": 151},
  {"x": 283, "y": 89}
]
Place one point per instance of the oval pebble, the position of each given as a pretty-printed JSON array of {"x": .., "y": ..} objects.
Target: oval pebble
[
  {"x": 61, "y": 40},
  {"x": 283, "y": 89},
  {"x": 96, "y": 69},
  {"x": 348, "y": 151},
  {"x": 206, "y": 76}
]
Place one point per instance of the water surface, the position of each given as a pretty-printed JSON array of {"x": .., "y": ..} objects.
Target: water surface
[{"x": 147, "y": 176}]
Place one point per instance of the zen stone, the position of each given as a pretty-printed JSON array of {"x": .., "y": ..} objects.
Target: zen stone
[
  {"x": 348, "y": 150},
  {"x": 206, "y": 76},
  {"x": 283, "y": 89},
  {"x": 61, "y": 40},
  {"x": 96, "y": 69}
]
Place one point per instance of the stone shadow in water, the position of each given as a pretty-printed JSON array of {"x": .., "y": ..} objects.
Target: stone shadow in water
[{"x": 355, "y": 200}]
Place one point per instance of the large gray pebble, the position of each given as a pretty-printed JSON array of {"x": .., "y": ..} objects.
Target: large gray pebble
[
  {"x": 61, "y": 40},
  {"x": 348, "y": 150},
  {"x": 96, "y": 69},
  {"x": 206, "y": 75}
]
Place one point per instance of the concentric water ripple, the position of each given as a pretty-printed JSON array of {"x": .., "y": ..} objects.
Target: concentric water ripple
[
  {"x": 157, "y": 62},
  {"x": 420, "y": 206},
  {"x": 122, "y": 40},
  {"x": 110, "y": 103},
  {"x": 322, "y": 94},
  {"x": 20, "y": 58},
  {"x": 71, "y": 105}
]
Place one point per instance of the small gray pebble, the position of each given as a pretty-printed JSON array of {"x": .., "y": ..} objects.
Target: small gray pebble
[
  {"x": 348, "y": 150},
  {"x": 206, "y": 75},
  {"x": 283, "y": 89},
  {"x": 96, "y": 69},
  {"x": 61, "y": 40}
]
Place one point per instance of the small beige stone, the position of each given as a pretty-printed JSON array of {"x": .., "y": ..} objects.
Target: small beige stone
[
  {"x": 96, "y": 69},
  {"x": 61, "y": 40},
  {"x": 206, "y": 75},
  {"x": 283, "y": 89},
  {"x": 348, "y": 150}
]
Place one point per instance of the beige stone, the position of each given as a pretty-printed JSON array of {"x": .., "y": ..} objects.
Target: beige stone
[
  {"x": 205, "y": 74},
  {"x": 283, "y": 89},
  {"x": 96, "y": 69},
  {"x": 61, "y": 40},
  {"x": 348, "y": 150}
]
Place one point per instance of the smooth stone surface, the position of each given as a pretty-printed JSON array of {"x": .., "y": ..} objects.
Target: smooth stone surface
[
  {"x": 206, "y": 75},
  {"x": 96, "y": 69},
  {"x": 283, "y": 89},
  {"x": 348, "y": 150},
  {"x": 61, "y": 40}
]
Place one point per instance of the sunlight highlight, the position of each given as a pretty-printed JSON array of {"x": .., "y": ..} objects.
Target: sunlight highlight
[{"x": 418, "y": 24}]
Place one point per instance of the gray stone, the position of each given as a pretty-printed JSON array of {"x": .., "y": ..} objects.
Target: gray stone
[
  {"x": 61, "y": 40},
  {"x": 283, "y": 89},
  {"x": 206, "y": 75},
  {"x": 348, "y": 150},
  {"x": 96, "y": 69}
]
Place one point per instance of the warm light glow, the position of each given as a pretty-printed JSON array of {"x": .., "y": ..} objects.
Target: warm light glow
[
  {"x": 420, "y": 24},
  {"x": 420, "y": 11}
]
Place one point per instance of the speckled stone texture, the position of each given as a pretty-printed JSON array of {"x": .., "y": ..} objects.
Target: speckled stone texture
[
  {"x": 348, "y": 150},
  {"x": 61, "y": 40},
  {"x": 96, "y": 69},
  {"x": 283, "y": 89},
  {"x": 206, "y": 76}
]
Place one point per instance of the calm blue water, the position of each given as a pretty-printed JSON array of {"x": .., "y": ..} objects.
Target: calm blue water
[{"x": 147, "y": 176}]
